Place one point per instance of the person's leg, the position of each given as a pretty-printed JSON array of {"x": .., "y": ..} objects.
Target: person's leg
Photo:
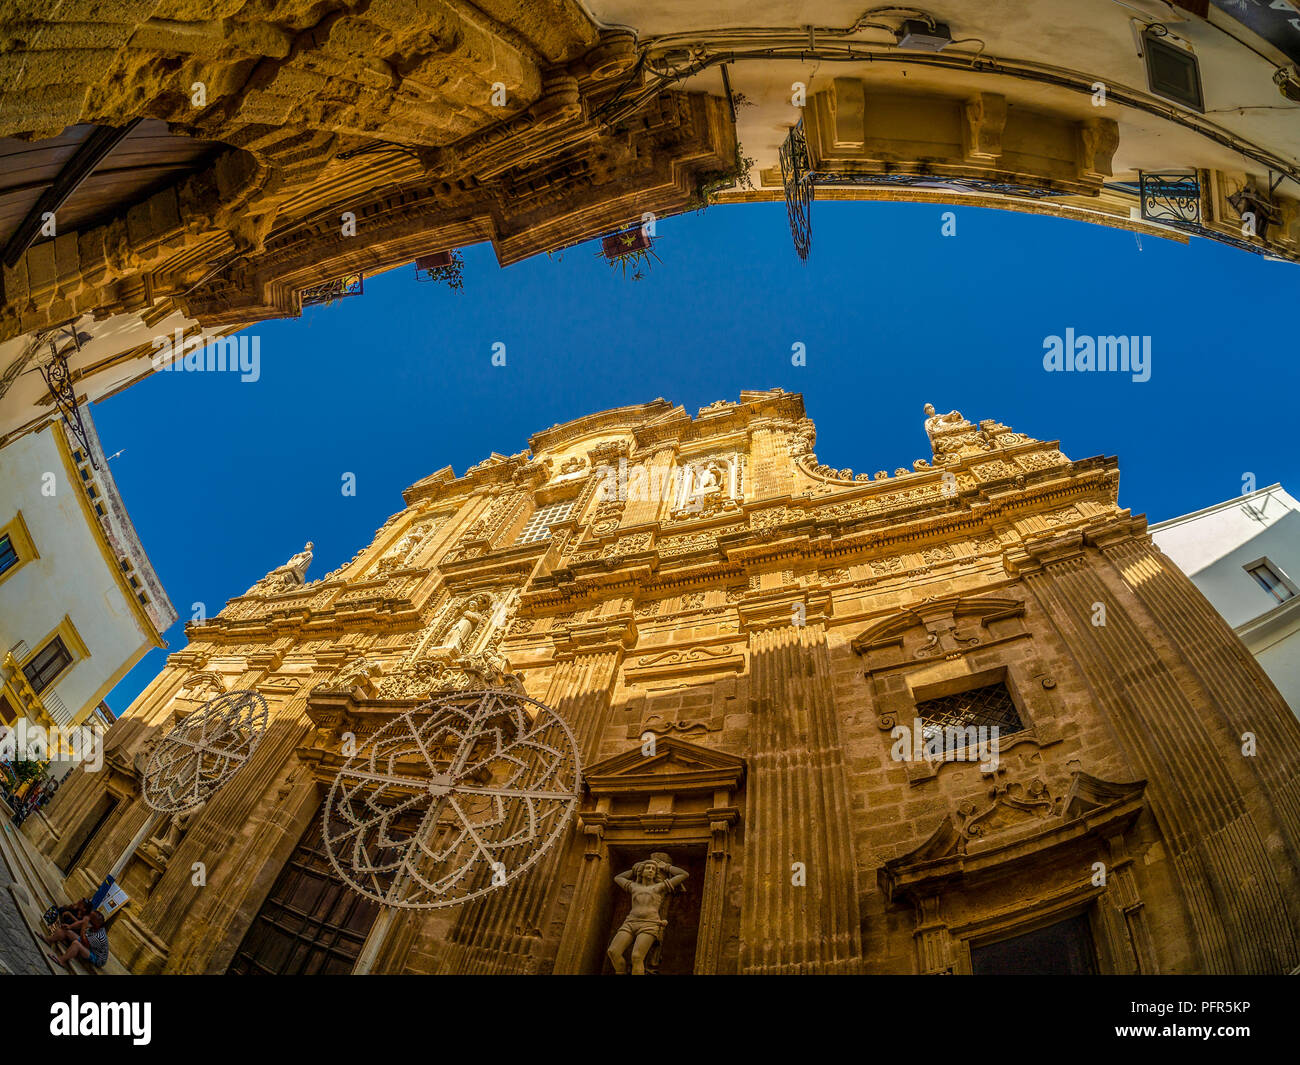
[
  {"x": 644, "y": 941},
  {"x": 617, "y": 948},
  {"x": 77, "y": 949},
  {"x": 58, "y": 934}
]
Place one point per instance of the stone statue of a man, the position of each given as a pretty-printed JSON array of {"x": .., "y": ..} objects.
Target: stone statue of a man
[{"x": 648, "y": 882}]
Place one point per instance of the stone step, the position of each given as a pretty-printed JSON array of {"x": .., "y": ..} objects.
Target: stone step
[
  {"x": 31, "y": 916},
  {"x": 41, "y": 872},
  {"x": 28, "y": 908},
  {"x": 34, "y": 875}
]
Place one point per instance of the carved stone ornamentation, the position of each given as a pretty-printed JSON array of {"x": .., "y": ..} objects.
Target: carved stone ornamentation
[
  {"x": 455, "y": 673},
  {"x": 360, "y": 672},
  {"x": 287, "y": 577},
  {"x": 708, "y": 487},
  {"x": 399, "y": 555},
  {"x": 735, "y": 678}
]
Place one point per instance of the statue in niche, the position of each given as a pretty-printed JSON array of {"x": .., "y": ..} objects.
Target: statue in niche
[
  {"x": 711, "y": 479},
  {"x": 395, "y": 556},
  {"x": 467, "y": 624},
  {"x": 164, "y": 844},
  {"x": 649, "y": 883},
  {"x": 709, "y": 491}
]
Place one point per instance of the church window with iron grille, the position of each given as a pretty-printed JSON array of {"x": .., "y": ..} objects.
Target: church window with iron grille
[
  {"x": 539, "y": 525},
  {"x": 988, "y": 707}
]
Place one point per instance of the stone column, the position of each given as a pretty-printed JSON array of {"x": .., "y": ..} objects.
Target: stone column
[
  {"x": 581, "y": 931},
  {"x": 1162, "y": 719},
  {"x": 78, "y": 798},
  {"x": 933, "y": 939},
  {"x": 1123, "y": 917},
  {"x": 713, "y": 899},
  {"x": 797, "y": 810},
  {"x": 1242, "y": 696},
  {"x": 242, "y": 836},
  {"x": 75, "y": 808}
]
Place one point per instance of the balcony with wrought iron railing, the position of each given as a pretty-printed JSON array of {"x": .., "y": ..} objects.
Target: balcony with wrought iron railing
[{"x": 332, "y": 291}]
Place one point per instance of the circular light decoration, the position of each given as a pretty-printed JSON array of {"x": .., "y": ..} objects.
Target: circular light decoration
[
  {"x": 452, "y": 799},
  {"x": 202, "y": 751}
]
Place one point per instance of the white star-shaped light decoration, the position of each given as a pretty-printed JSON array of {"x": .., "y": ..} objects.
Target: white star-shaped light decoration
[
  {"x": 452, "y": 799},
  {"x": 202, "y": 751}
]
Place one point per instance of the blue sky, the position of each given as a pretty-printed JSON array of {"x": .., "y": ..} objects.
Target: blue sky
[{"x": 225, "y": 480}]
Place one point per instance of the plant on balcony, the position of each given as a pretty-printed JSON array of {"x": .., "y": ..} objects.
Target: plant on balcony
[
  {"x": 737, "y": 177},
  {"x": 631, "y": 249},
  {"x": 445, "y": 266}
]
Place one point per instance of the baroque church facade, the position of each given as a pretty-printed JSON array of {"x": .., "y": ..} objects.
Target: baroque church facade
[{"x": 753, "y": 651}]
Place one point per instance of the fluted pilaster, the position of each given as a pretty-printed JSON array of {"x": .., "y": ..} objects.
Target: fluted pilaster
[
  {"x": 1233, "y": 894},
  {"x": 797, "y": 811}
]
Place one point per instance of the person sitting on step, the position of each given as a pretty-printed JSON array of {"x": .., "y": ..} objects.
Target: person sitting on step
[{"x": 88, "y": 942}]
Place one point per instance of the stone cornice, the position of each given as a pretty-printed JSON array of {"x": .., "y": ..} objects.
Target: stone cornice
[
  {"x": 702, "y": 769},
  {"x": 628, "y": 418},
  {"x": 1034, "y": 556},
  {"x": 603, "y": 635},
  {"x": 1124, "y": 528},
  {"x": 377, "y": 613},
  {"x": 780, "y": 608},
  {"x": 805, "y": 530}
]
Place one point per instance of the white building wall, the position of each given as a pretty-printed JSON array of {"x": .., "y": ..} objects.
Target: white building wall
[
  {"x": 1214, "y": 546},
  {"x": 70, "y": 577}
]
